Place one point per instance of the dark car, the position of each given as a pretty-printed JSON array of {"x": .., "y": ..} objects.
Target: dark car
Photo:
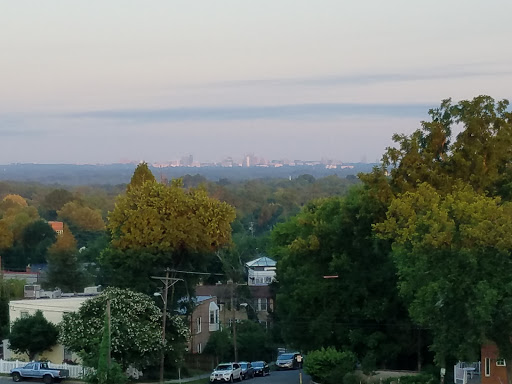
[
  {"x": 247, "y": 370},
  {"x": 260, "y": 368}
]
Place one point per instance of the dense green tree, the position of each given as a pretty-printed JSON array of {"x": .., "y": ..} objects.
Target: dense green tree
[
  {"x": 32, "y": 335},
  {"x": 252, "y": 342},
  {"x": 37, "y": 237},
  {"x": 220, "y": 345},
  {"x": 360, "y": 310},
  {"x": 453, "y": 254}
]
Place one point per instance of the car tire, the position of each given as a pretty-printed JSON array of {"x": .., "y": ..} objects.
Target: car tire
[
  {"x": 47, "y": 379},
  {"x": 231, "y": 379},
  {"x": 16, "y": 377}
]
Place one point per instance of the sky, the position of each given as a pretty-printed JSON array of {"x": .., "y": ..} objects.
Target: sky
[{"x": 94, "y": 81}]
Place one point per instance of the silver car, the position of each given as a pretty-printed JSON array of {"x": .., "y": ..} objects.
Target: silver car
[{"x": 226, "y": 372}]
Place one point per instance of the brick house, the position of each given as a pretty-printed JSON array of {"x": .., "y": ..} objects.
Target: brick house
[
  {"x": 203, "y": 321},
  {"x": 494, "y": 370}
]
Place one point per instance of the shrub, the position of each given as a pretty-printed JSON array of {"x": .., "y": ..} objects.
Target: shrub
[
  {"x": 329, "y": 366},
  {"x": 412, "y": 379},
  {"x": 351, "y": 378}
]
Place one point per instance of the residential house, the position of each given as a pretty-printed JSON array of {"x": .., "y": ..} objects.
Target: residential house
[
  {"x": 494, "y": 370},
  {"x": 58, "y": 226},
  {"x": 203, "y": 322},
  {"x": 261, "y": 271},
  {"x": 53, "y": 310}
]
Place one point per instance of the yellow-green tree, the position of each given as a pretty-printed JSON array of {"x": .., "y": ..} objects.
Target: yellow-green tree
[
  {"x": 64, "y": 270},
  {"x": 81, "y": 216},
  {"x": 155, "y": 226}
]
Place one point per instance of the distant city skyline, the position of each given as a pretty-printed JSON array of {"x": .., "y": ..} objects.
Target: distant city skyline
[{"x": 98, "y": 82}]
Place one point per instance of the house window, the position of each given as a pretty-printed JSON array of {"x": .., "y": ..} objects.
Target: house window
[
  {"x": 268, "y": 279},
  {"x": 212, "y": 317},
  {"x": 24, "y": 314},
  {"x": 68, "y": 356},
  {"x": 198, "y": 325},
  {"x": 487, "y": 367},
  {"x": 199, "y": 348},
  {"x": 262, "y": 304},
  {"x": 500, "y": 363}
]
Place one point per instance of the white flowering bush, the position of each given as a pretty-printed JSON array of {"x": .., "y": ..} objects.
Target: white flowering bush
[{"x": 136, "y": 329}]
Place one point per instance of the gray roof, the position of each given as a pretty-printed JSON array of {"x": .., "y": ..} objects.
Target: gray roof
[{"x": 262, "y": 262}]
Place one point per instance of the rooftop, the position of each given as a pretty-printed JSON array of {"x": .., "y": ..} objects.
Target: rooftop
[{"x": 262, "y": 262}]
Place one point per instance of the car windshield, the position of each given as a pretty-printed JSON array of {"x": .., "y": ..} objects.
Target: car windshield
[
  {"x": 223, "y": 367},
  {"x": 257, "y": 364},
  {"x": 286, "y": 356}
]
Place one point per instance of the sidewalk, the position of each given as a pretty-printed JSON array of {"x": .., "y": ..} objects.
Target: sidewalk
[{"x": 173, "y": 381}]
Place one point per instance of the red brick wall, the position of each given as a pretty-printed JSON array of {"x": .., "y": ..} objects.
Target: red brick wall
[{"x": 498, "y": 374}]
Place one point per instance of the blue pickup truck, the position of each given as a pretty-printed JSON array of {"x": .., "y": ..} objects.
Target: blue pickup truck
[{"x": 39, "y": 370}]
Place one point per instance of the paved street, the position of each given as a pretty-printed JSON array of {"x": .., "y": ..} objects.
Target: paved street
[{"x": 277, "y": 377}]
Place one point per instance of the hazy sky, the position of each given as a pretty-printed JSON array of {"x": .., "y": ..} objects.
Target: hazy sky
[{"x": 101, "y": 81}]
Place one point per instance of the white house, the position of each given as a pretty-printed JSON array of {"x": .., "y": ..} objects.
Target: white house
[
  {"x": 261, "y": 271},
  {"x": 53, "y": 310}
]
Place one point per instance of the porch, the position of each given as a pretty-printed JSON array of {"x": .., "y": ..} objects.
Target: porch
[{"x": 466, "y": 373}]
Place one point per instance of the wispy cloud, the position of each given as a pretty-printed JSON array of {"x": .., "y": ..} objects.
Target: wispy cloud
[
  {"x": 419, "y": 74},
  {"x": 320, "y": 111}
]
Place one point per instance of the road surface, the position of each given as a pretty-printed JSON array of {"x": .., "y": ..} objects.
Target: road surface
[{"x": 276, "y": 377}]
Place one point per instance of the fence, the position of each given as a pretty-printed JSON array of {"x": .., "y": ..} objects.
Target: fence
[
  {"x": 75, "y": 371},
  {"x": 200, "y": 361}
]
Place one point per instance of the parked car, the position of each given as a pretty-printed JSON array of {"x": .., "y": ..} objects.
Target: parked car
[
  {"x": 287, "y": 361},
  {"x": 39, "y": 370},
  {"x": 260, "y": 368},
  {"x": 226, "y": 372},
  {"x": 247, "y": 370}
]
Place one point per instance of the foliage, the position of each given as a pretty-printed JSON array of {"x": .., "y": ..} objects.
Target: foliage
[
  {"x": 360, "y": 310},
  {"x": 33, "y": 334},
  {"x": 168, "y": 219},
  {"x": 141, "y": 175},
  {"x": 54, "y": 201},
  {"x": 453, "y": 255},
  {"x": 135, "y": 333},
  {"x": 37, "y": 237},
  {"x": 81, "y": 216},
  {"x": 16, "y": 200},
  {"x": 106, "y": 372},
  {"x": 252, "y": 342},
  {"x": 479, "y": 154},
  {"x": 64, "y": 270},
  {"x": 220, "y": 345},
  {"x": 422, "y": 378},
  {"x": 6, "y": 236},
  {"x": 327, "y": 365}
]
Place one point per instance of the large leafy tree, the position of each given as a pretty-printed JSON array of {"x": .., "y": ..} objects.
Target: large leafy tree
[
  {"x": 453, "y": 257},
  {"x": 32, "y": 335},
  {"x": 54, "y": 201},
  {"x": 155, "y": 226},
  {"x": 480, "y": 154},
  {"x": 37, "y": 237},
  {"x": 360, "y": 310},
  {"x": 136, "y": 329}
]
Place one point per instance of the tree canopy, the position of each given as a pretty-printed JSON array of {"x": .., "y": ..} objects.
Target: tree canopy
[
  {"x": 32, "y": 335},
  {"x": 453, "y": 256}
]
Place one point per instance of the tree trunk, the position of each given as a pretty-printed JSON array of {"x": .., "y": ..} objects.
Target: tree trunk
[{"x": 418, "y": 351}]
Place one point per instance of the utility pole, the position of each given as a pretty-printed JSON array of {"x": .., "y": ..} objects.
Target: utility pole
[
  {"x": 109, "y": 355},
  {"x": 168, "y": 282},
  {"x": 233, "y": 319}
]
